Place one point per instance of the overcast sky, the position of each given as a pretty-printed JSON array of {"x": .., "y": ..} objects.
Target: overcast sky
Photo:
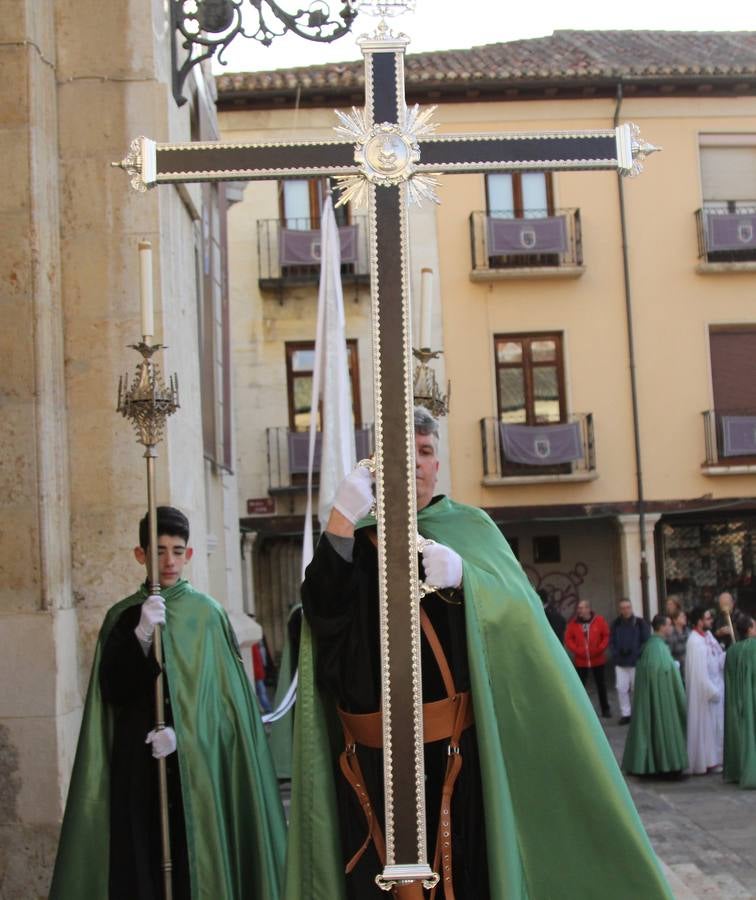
[{"x": 491, "y": 21}]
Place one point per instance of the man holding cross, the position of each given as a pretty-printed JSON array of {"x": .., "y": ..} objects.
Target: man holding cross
[{"x": 515, "y": 758}]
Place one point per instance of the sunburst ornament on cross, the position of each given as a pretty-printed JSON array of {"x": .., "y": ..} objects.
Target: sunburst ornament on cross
[{"x": 386, "y": 154}]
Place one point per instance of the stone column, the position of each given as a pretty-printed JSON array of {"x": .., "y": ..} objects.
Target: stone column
[
  {"x": 630, "y": 552},
  {"x": 39, "y": 701}
]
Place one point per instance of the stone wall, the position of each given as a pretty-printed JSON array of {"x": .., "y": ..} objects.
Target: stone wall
[{"x": 80, "y": 80}]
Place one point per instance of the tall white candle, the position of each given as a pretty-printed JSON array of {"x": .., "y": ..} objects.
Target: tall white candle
[
  {"x": 145, "y": 288},
  {"x": 426, "y": 307}
]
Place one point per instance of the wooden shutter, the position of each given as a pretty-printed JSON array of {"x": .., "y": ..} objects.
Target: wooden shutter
[
  {"x": 733, "y": 369},
  {"x": 728, "y": 173}
]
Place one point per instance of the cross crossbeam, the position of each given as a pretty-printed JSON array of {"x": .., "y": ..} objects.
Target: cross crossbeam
[
  {"x": 386, "y": 156},
  {"x": 152, "y": 164}
]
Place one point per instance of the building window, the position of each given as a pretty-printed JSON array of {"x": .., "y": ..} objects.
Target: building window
[
  {"x": 529, "y": 378},
  {"x": 546, "y": 549},
  {"x": 214, "y": 327},
  {"x": 301, "y": 202},
  {"x": 300, "y": 360},
  {"x": 727, "y": 226},
  {"x": 520, "y": 195},
  {"x": 733, "y": 381}
]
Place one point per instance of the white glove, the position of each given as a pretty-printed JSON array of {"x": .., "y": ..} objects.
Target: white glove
[
  {"x": 153, "y": 614},
  {"x": 354, "y": 496},
  {"x": 443, "y": 566},
  {"x": 163, "y": 741}
]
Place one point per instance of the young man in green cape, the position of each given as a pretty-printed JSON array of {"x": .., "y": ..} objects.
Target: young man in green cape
[
  {"x": 656, "y": 741},
  {"x": 740, "y": 706},
  {"x": 226, "y": 822},
  {"x": 544, "y": 812}
]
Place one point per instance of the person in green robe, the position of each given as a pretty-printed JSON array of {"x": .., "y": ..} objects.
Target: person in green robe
[
  {"x": 557, "y": 818},
  {"x": 740, "y": 707},
  {"x": 656, "y": 742},
  {"x": 227, "y": 827}
]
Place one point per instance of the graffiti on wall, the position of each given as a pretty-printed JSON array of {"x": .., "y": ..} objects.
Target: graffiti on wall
[{"x": 562, "y": 588}]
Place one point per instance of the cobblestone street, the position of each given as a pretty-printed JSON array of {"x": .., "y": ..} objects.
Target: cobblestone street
[{"x": 703, "y": 829}]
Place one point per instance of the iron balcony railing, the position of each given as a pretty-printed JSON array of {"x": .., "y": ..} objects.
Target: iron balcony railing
[
  {"x": 288, "y": 252},
  {"x": 730, "y": 437},
  {"x": 518, "y": 239},
  {"x": 727, "y": 235},
  {"x": 497, "y": 465},
  {"x": 288, "y": 456}
]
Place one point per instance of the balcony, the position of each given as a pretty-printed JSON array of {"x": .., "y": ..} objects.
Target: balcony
[
  {"x": 288, "y": 252},
  {"x": 727, "y": 239},
  {"x": 730, "y": 440},
  {"x": 526, "y": 244},
  {"x": 288, "y": 454},
  {"x": 524, "y": 454}
]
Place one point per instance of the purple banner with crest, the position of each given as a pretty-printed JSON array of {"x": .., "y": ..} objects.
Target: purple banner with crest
[
  {"x": 299, "y": 448},
  {"x": 542, "y": 445},
  {"x": 731, "y": 231},
  {"x": 514, "y": 236},
  {"x": 302, "y": 248},
  {"x": 738, "y": 435}
]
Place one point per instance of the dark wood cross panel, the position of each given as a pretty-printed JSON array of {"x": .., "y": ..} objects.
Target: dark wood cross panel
[{"x": 387, "y": 153}]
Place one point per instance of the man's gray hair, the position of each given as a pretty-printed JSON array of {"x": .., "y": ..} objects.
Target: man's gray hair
[{"x": 425, "y": 423}]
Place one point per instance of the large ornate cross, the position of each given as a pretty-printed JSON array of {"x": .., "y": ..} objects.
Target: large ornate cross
[{"x": 387, "y": 155}]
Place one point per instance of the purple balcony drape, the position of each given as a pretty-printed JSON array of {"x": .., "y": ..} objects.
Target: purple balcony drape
[
  {"x": 299, "y": 445},
  {"x": 302, "y": 248},
  {"x": 516, "y": 236},
  {"x": 542, "y": 445},
  {"x": 738, "y": 435},
  {"x": 731, "y": 231}
]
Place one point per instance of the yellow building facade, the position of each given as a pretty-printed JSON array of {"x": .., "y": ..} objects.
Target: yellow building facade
[{"x": 599, "y": 337}]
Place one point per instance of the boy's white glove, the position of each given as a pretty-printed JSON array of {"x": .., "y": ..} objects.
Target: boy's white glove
[
  {"x": 443, "y": 566},
  {"x": 354, "y": 496},
  {"x": 163, "y": 741},
  {"x": 153, "y": 614}
]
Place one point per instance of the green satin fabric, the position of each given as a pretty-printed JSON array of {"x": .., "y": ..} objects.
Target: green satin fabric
[
  {"x": 740, "y": 714},
  {"x": 656, "y": 738},
  {"x": 560, "y": 822},
  {"x": 280, "y": 735},
  {"x": 235, "y": 826}
]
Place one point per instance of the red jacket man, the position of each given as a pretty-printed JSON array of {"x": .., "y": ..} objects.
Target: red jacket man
[{"x": 587, "y": 637}]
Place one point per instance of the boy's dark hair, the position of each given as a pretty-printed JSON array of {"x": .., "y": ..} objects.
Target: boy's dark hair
[
  {"x": 742, "y": 626},
  {"x": 170, "y": 521},
  {"x": 696, "y": 614},
  {"x": 658, "y": 620}
]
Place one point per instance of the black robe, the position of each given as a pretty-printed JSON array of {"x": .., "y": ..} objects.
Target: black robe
[
  {"x": 340, "y": 601},
  {"x": 127, "y": 681}
]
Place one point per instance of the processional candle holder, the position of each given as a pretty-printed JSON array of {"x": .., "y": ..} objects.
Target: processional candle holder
[
  {"x": 147, "y": 402},
  {"x": 426, "y": 391}
]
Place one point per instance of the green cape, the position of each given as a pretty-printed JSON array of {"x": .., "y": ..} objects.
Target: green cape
[
  {"x": 235, "y": 828},
  {"x": 280, "y": 733},
  {"x": 656, "y": 740},
  {"x": 560, "y": 822},
  {"x": 740, "y": 714}
]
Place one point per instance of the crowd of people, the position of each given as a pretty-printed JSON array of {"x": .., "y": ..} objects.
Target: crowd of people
[{"x": 686, "y": 683}]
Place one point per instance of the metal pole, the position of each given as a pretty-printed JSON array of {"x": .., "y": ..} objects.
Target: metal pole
[
  {"x": 732, "y": 630},
  {"x": 633, "y": 386},
  {"x": 154, "y": 580}
]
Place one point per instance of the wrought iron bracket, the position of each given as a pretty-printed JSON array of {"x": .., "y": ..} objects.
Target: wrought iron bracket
[{"x": 202, "y": 28}]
